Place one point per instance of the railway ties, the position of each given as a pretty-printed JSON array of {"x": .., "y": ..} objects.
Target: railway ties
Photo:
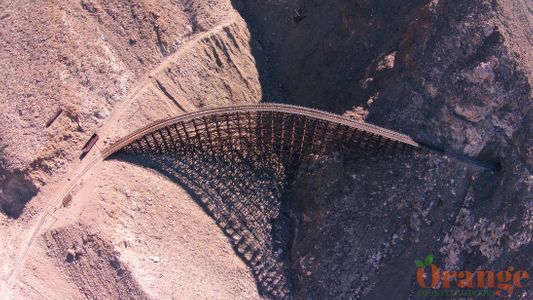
[
  {"x": 260, "y": 131},
  {"x": 291, "y": 136}
]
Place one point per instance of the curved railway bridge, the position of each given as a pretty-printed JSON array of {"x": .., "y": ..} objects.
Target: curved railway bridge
[
  {"x": 236, "y": 163},
  {"x": 291, "y": 133}
]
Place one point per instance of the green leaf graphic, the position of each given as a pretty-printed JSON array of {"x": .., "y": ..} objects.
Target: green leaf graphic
[
  {"x": 419, "y": 263},
  {"x": 429, "y": 260}
]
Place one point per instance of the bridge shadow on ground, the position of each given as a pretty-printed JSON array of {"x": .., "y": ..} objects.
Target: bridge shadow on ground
[{"x": 246, "y": 198}]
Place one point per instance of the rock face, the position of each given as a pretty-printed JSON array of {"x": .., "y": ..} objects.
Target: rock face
[{"x": 456, "y": 74}]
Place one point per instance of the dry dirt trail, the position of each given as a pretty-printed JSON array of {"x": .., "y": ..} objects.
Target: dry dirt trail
[{"x": 81, "y": 169}]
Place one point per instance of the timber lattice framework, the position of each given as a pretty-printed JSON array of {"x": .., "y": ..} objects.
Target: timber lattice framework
[{"x": 292, "y": 133}]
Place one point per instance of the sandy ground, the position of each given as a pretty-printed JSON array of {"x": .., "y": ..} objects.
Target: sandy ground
[{"x": 167, "y": 242}]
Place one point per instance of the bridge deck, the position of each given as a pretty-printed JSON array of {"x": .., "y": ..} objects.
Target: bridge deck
[{"x": 285, "y": 130}]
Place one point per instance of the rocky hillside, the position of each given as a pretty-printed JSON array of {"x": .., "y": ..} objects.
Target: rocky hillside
[
  {"x": 454, "y": 74},
  {"x": 90, "y": 57}
]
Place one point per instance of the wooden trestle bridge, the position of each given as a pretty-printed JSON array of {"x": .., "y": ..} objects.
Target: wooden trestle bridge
[{"x": 292, "y": 133}]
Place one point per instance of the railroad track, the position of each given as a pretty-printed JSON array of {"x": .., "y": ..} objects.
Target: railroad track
[
  {"x": 209, "y": 121},
  {"x": 284, "y": 111}
]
